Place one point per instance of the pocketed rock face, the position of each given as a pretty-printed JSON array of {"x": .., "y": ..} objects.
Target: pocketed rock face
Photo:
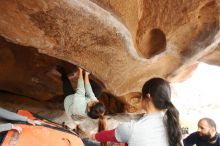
[{"x": 122, "y": 44}]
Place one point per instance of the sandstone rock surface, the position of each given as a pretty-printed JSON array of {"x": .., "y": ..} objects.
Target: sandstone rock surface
[{"x": 121, "y": 43}]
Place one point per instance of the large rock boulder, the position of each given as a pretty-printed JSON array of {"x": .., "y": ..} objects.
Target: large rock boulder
[{"x": 122, "y": 44}]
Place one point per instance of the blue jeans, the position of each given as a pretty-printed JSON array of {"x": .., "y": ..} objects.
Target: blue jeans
[
  {"x": 88, "y": 142},
  {"x": 2, "y": 136}
]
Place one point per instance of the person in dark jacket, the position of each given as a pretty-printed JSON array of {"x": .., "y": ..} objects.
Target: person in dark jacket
[{"x": 205, "y": 136}]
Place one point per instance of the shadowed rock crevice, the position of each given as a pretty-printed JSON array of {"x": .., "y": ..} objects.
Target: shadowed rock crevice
[{"x": 26, "y": 72}]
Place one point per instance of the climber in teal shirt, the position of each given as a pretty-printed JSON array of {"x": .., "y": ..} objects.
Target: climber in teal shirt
[{"x": 83, "y": 102}]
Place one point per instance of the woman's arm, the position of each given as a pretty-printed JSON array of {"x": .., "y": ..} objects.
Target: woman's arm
[
  {"x": 80, "y": 89},
  {"x": 107, "y": 135},
  {"x": 103, "y": 136},
  {"x": 9, "y": 126},
  {"x": 88, "y": 87},
  {"x": 120, "y": 134},
  {"x": 5, "y": 114},
  {"x": 8, "y": 115},
  {"x": 5, "y": 127}
]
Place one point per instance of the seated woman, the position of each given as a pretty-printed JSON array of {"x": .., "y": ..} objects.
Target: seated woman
[
  {"x": 158, "y": 127},
  {"x": 83, "y": 103}
]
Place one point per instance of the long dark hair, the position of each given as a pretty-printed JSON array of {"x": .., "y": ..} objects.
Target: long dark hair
[
  {"x": 160, "y": 91},
  {"x": 97, "y": 111}
]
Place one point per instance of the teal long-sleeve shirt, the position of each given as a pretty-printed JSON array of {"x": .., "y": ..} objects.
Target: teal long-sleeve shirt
[
  {"x": 75, "y": 104},
  {"x": 5, "y": 114}
]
